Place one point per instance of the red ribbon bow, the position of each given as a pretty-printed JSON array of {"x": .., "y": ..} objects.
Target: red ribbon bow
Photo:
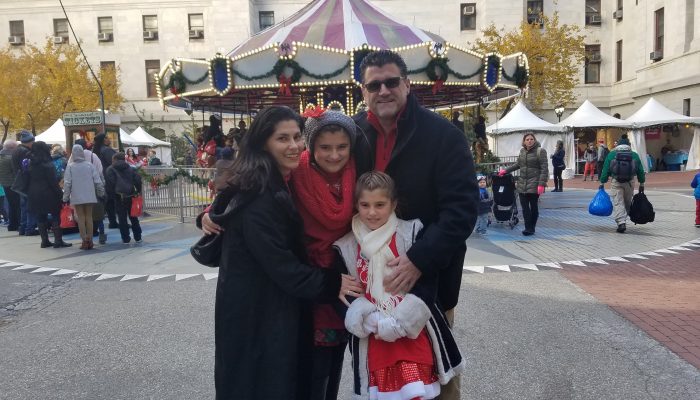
[
  {"x": 437, "y": 86},
  {"x": 285, "y": 84},
  {"x": 315, "y": 112}
]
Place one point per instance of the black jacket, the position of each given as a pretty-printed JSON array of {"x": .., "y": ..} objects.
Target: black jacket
[
  {"x": 106, "y": 153},
  {"x": 434, "y": 173},
  {"x": 126, "y": 173},
  {"x": 20, "y": 153},
  {"x": 263, "y": 319},
  {"x": 44, "y": 195}
]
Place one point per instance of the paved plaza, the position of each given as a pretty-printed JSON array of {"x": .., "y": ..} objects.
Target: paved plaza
[{"x": 575, "y": 312}]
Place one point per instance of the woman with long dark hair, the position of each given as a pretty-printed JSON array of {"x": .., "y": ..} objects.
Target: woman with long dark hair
[
  {"x": 534, "y": 173},
  {"x": 559, "y": 165},
  {"x": 263, "y": 330},
  {"x": 44, "y": 195}
]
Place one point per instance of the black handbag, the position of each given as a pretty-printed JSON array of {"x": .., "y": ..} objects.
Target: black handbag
[{"x": 207, "y": 250}]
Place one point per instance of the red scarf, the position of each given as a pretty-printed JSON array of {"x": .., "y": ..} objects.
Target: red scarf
[{"x": 325, "y": 218}]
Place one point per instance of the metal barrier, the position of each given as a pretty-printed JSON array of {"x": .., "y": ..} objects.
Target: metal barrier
[
  {"x": 181, "y": 197},
  {"x": 489, "y": 168}
]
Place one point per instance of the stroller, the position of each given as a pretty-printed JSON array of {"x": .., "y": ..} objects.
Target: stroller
[{"x": 505, "y": 207}]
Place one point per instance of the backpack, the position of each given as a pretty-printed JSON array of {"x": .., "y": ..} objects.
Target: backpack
[
  {"x": 21, "y": 183},
  {"x": 123, "y": 186},
  {"x": 641, "y": 210},
  {"x": 59, "y": 167},
  {"x": 606, "y": 151},
  {"x": 623, "y": 167}
]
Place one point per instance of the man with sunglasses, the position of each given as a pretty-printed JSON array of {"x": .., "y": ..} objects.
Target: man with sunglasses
[{"x": 430, "y": 162}]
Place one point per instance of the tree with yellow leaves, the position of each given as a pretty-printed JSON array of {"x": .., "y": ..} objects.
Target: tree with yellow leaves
[
  {"x": 555, "y": 54},
  {"x": 48, "y": 81}
]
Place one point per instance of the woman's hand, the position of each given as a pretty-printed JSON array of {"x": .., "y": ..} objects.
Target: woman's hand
[
  {"x": 209, "y": 227},
  {"x": 501, "y": 172},
  {"x": 540, "y": 190},
  {"x": 349, "y": 286}
]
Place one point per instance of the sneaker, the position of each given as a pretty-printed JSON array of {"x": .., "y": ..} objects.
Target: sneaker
[
  {"x": 621, "y": 228},
  {"x": 137, "y": 240},
  {"x": 103, "y": 238},
  {"x": 126, "y": 241},
  {"x": 33, "y": 232},
  {"x": 528, "y": 233}
]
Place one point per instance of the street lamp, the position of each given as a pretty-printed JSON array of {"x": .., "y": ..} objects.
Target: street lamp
[{"x": 559, "y": 111}]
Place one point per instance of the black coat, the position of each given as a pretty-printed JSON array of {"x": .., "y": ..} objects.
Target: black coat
[
  {"x": 130, "y": 177},
  {"x": 263, "y": 329},
  {"x": 44, "y": 194},
  {"x": 434, "y": 173}
]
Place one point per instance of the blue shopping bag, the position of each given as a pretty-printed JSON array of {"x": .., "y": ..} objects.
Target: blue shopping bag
[{"x": 601, "y": 204}]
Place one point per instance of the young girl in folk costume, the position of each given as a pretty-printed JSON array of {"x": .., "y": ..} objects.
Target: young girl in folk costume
[
  {"x": 322, "y": 187},
  {"x": 402, "y": 346}
]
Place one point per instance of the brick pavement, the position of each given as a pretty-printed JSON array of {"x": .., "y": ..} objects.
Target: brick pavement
[
  {"x": 654, "y": 180},
  {"x": 659, "y": 295}
]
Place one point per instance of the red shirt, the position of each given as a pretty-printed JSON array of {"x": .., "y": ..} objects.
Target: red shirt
[{"x": 385, "y": 141}]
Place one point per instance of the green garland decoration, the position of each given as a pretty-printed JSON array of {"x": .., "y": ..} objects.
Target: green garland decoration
[
  {"x": 159, "y": 180},
  {"x": 297, "y": 71},
  {"x": 179, "y": 81},
  {"x": 519, "y": 76},
  {"x": 429, "y": 70}
]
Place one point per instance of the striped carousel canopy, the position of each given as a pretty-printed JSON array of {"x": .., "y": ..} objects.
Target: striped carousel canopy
[{"x": 340, "y": 24}]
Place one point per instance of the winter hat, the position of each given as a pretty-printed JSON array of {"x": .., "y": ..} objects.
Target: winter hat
[
  {"x": 480, "y": 178},
  {"x": 624, "y": 140},
  {"x": 318, "y": 118},
  {"x": 26, "y": 137}
]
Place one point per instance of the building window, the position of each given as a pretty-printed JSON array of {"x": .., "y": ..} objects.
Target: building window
[
  {"x": 196, "y": 25},
  {"x": 16, "y": 33},
  {"x": 107, "y": 65},
  {"x": 593, "y": 63},
  {"x": 467, "y": 16},
  {"x": 659, "y": 30},
  {"x": 593, "y": 12},
  {"x": 619, "y": 4},
  {"x": 105, "y": 29},
  {"x": 152, "y": 68},
  {"x": 535, "y": 9},
  {"x": 267, "y": 19},
  {"x": 618, "y": 61},
  {"x": 60, "y": 30},
  {"x": 686, "y": 107},
  {"x": 150, "y": 27}
]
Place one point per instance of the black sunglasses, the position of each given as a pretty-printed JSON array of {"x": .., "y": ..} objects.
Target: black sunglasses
[{"x": 390, "y": 83}]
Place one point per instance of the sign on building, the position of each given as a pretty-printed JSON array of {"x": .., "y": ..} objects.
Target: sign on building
[{"x": 82, "y": 118}]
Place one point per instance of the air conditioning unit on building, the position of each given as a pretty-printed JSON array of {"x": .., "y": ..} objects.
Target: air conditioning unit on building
[
  {"x": 15, "y": 40},
  {"x": 104, "y": 37},
  {"x": 150, "y": 35},
  {"x": 595, "y": 58},
  {"x": 618, "y": 14},
  {"x": 59, "y": 39},
  {"x": 196, "y": 33},
  {"x": 656, "y": 55},
  {"x": 469, "y": 10},
  {"x": 595, "y": 19}
]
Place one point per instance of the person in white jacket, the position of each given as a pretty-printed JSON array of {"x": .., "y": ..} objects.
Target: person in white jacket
[{"x": 82, "y": 188}]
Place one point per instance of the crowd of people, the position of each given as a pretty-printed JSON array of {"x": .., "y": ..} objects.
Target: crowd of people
[{"x": 42, "y": 183}]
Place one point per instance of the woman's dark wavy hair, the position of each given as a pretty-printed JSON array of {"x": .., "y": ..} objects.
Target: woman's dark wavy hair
[
  {"x": 41, "y": 153},
  {"x": 254, "y": 168}
]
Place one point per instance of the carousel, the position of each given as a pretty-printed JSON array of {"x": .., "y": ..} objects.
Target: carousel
[{"x": 312, "y": 59}]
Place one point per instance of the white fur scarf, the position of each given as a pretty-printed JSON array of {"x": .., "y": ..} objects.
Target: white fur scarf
[{"x": 374, "y": 245}]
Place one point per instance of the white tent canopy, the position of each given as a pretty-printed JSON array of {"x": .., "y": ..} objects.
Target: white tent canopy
[
  {"x": 589, "y": 116},
  {"x": 654, "y": 113},
  {"x": 127, "y": 140},
  {"x": 56, "y": 134},
  {"x": 162, "y": 148},
  {"x": 507, "y": 134},
  {"x": 520, "y": 119}
]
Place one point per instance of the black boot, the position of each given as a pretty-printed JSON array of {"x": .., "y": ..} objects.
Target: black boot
[
  {"x": 44, "y": 233},
  {"x": 58, "y": 236}
]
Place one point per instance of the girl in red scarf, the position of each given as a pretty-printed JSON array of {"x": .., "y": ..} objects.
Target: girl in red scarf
[{"x": 323, "y": 186}]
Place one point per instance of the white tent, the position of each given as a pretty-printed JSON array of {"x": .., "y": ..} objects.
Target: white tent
[
  {"x": 654, "y": 113},
  {"x": 129, "y": 141},
  {"x": 56, "y": 134},
  {"x": 589, "y": 116},
  {"x": 162, "y": 148},
  {"x": 507, "y": 135}
]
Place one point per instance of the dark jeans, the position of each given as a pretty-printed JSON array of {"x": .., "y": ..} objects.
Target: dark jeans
[
  {"x": 123, "y": 208},
  {"x": 13, "y": 209},
  {"x": 111, "y": 210},
  {"x": 558, "y": 181},
  {"x": 599, "y": 168},
  {"x": 528, "y": 201},
  {"x": 325, "y": 374},
  {"x": 27, "y": 220}
]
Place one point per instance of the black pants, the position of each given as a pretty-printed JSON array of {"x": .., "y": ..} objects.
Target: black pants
[
  {"x": 13, "y": 210},
  {"x": 325, "y": 374},
  {"x": 124, "y": 216},
  {"x": 599, "y": 168},
  {"x": 528, "y": 201},
  {"x": 558, "y": 181},
  {"x": 111, "y": 209}
]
